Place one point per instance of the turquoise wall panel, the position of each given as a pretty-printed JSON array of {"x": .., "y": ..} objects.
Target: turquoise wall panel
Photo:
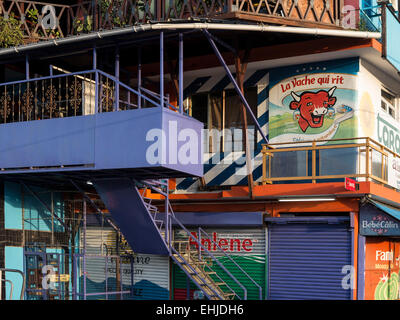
[
  {"x": 14, "y": 259},
  {"x": 36, "y": 216}
]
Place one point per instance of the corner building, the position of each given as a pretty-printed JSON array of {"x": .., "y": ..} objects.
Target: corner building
[{"x": 223, "y": 151}]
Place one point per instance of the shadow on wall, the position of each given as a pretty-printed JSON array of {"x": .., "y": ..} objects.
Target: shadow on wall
[
  {"x": 36, "y": 216},
  {"x": 142, "y": 290}
]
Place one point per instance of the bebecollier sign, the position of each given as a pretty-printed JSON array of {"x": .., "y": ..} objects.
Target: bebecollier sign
[{"x": 374, "y": 222}]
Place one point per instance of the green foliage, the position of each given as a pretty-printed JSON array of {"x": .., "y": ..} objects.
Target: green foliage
[
  {"x": 10, "y": 32},
  {"x": 32, "y": 16},
  {"x": 84, "y": 24},
  {"x": 112, "y": 11}
]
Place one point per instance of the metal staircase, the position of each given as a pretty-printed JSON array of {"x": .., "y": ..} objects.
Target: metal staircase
[
  {"x": 152, "y": 209},
  {"x": 200, "y": 271},
  {"x": 188, "y": 252},
  {"x": 205, "y": 270}
]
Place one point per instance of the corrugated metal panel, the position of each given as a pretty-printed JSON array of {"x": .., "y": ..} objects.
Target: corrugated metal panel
[
  {"x": 245, "y": 246},
  {"x": 150, "y": 272},
  {"x": 306, "y": 260},
  {"x": 181, "y": 294}
]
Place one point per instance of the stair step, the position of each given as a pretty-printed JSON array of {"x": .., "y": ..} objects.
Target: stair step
[{"x": 230, "y": 294}]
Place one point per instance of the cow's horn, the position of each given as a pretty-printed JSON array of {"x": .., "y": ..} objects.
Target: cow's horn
[
  {"x": 331, "y": 90},
  {"x": 295, "y": 96}
]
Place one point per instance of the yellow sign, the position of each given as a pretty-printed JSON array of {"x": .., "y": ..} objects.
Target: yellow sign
[{"x": 62, "y": 278}]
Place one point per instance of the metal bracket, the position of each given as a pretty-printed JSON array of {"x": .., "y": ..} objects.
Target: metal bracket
[{"x": 239, "y": 92}]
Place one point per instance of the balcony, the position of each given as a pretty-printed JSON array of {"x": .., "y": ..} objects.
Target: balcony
[
  {"x": 43, "y": 21},
  {"x": 90, "y": 122},
  {"x": 330, "y": 160}
]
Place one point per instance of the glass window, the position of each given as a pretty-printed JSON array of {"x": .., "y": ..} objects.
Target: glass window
[
  {"x": 221, "y": 113},
  {"x": 388, "y": 103}
]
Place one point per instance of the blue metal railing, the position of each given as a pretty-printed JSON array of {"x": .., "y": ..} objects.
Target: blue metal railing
[
  {"x": 72, "y": 94},
  {"x": 370, "y": 19}
]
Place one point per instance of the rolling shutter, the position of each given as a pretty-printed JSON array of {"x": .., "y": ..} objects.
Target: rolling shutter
[
  {"x": 150, "y": 272},
  {"x": 306, "y": 260},
  {"x": 251, "y": 260}
]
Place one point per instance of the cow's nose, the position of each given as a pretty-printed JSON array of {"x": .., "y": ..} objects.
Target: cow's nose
[{"x": 320, "y": 111}]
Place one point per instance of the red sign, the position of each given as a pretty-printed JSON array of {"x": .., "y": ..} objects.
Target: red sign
[
  {"x": 350, "y": 184},
  {"x": 231, "y": 244}
]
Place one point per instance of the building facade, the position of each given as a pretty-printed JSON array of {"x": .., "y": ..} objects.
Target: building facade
[{"x": 199, "y": 150}]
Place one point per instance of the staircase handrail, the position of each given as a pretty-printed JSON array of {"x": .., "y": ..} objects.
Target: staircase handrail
[
  {"x": 212, "y": 256},
  {"x": 156, "y": 95},
  {"x": 233, "y": 261},
  {"x": 23, "y": 279},
  {"x": 225, "y": 284},
  {"x": 105, "y": 74},
  {"x": 139, "y": 94},
  {"x": 216, "y": 274},
  {"x": 56, "y": 76},
  {"x": 193, "y": 270}
]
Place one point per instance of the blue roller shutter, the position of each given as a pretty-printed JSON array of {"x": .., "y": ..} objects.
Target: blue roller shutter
[{"x": 306, "y": 260}]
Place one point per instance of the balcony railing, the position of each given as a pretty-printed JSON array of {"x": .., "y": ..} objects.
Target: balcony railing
[
  {"x": 41, "y": 20},
  {"x": 70, "y": 94},
  {"x": 330, "y": 160}
]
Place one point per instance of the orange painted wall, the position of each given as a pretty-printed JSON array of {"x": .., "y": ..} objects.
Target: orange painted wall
[{"x": 382, "y": 268}]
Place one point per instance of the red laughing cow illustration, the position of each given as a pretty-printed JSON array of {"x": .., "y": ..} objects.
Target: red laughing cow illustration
[{"x": 312, "y": 107}]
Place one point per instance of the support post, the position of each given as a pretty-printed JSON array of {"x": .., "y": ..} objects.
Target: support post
[
  {"x": 117, "y": 267},
  {"x": 84, "y": 248},
  {"x": 398, "y": 9},
  {"x": 384, "y": 27},
  {"x": 52, "y": 218},
  {"x": 162, "y": 69},
  {"x": 167, "y": 220},
  {"x": 106, "y": 277},
  {"x": 240, "y": 67},
  {"x": 117, "y": 77},
  {"x": 94, "y": 58},
  {"x": 75, "y": 274},
  {"x": 139, "y": 77},
  {"x": 96, "y": 76},
  {"x": 181, "y": 73},
  {"x": 26, "y": 67},
  {"x": 132, "y": 272},
  {"x": 187, "y": 288},
  {"x": 235, "y": 85},
  {"x": 23, "y": 215}
]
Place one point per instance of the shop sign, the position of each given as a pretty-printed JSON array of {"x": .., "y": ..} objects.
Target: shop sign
[
  {"x": 312, "y": 102},
  {"x": 61, "y": 278},
  {"x": 376, "y": 223},
  {"x": 231, "y": 244},
  {"x": 382, "y": 259},
  {"x": 350, "y": 184},
  {"x": 388, "y": 134}
]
